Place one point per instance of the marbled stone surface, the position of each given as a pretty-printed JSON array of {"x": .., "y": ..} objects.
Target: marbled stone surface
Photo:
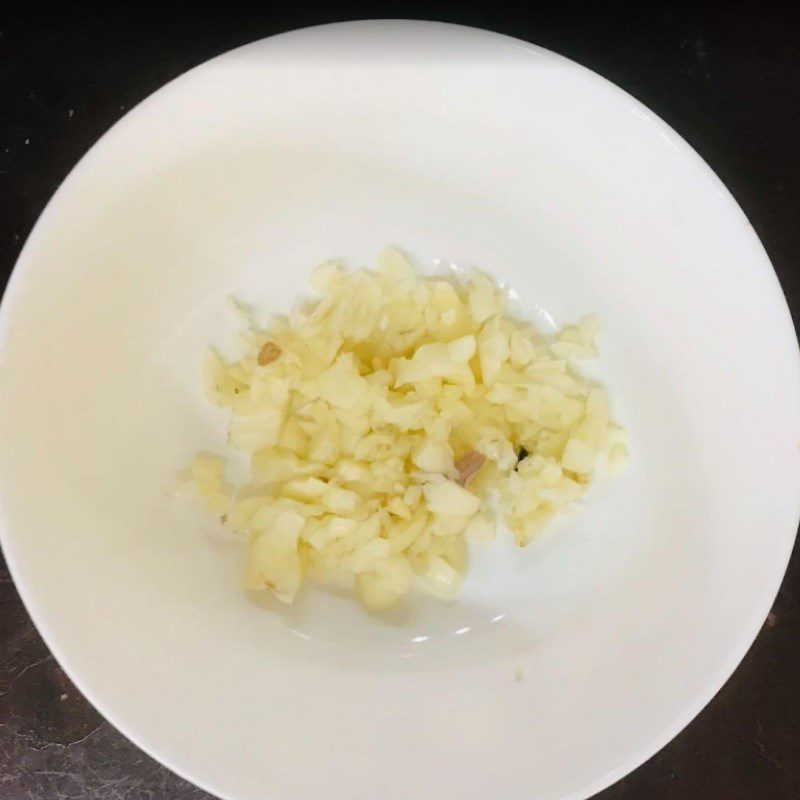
[{"x": 725, "y": 76}]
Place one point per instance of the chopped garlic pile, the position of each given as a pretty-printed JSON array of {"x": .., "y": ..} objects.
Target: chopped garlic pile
[{"x": 379, "y": 420}]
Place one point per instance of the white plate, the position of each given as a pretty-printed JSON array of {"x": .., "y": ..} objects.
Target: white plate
[{"x": 562, "y": 667}]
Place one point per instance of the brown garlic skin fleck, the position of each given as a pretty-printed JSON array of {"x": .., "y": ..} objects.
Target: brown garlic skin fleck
[
  {"x": 268, "y": 353},
  {"x": 468, "y": 465}
]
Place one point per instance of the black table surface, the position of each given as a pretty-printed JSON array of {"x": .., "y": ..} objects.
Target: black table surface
[{"x": 726, "y": 76}]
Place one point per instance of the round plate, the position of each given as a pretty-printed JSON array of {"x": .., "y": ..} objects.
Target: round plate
[{"x": 561, "y": 667}]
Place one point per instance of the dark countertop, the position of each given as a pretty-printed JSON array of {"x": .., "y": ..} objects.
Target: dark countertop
[{"x": 725, "y": 76}]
